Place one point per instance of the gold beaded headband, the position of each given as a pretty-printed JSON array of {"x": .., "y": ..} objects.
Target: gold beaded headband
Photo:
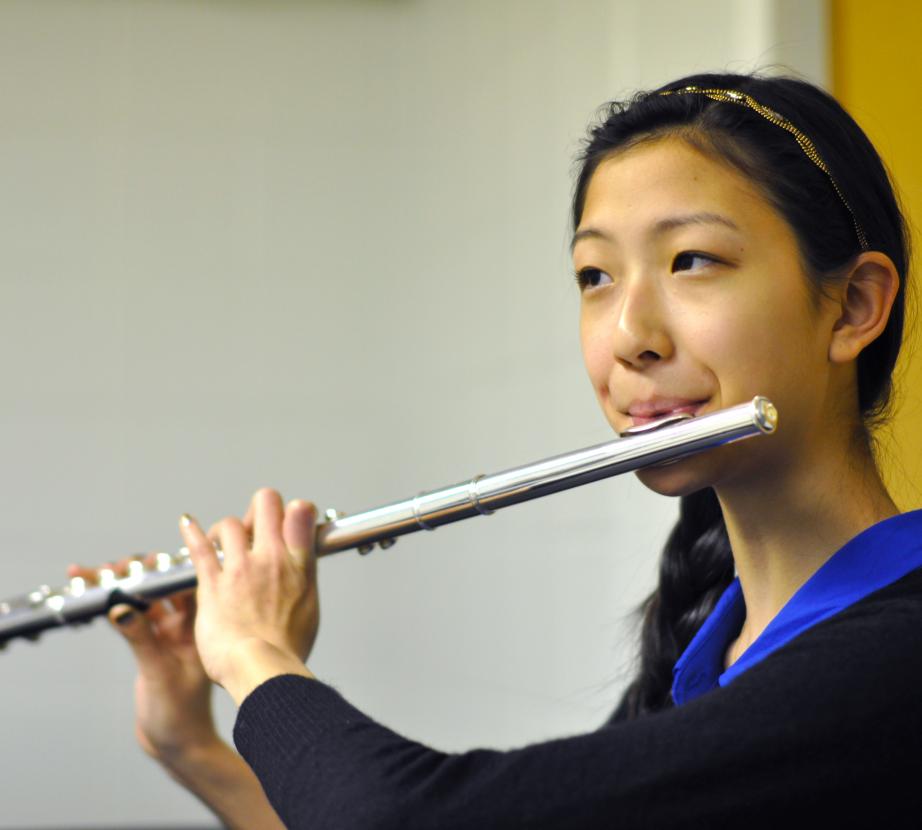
[{"x": 732, "y": 96}]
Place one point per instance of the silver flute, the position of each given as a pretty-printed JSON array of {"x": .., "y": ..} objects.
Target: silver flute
[{"x": 659, "y": 442}]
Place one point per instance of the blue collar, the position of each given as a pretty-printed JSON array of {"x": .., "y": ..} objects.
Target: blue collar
[{"x": 876, "y": 557}]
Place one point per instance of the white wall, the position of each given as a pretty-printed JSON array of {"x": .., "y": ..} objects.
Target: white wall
[{"x": 319, "y": 246}]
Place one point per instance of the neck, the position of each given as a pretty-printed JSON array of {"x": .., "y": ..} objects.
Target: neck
[{"x": 783, "y": 530}]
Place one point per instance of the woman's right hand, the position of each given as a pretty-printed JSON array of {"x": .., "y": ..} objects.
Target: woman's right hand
[{"x": 173, "y": 716}]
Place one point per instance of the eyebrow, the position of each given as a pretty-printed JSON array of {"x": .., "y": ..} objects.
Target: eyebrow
[{"x": 662, "y": 226}]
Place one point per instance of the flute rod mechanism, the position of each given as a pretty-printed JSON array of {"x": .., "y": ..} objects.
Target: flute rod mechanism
[{"x": 661, "y": 442}]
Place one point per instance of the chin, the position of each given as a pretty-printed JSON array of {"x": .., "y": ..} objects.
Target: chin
[
  {"x": 680, "y": 478},
  {"x": 672, "y": 487},
  {"x": 737, "y": 464}
]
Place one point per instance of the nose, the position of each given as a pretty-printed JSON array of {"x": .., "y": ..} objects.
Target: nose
[{"x": 640, "y": 334}]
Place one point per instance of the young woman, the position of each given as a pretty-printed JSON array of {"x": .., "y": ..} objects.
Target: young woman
[{"x": 733, "y": 236}]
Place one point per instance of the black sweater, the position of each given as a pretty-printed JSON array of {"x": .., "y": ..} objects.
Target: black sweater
[{"x": 824, "y": 732}]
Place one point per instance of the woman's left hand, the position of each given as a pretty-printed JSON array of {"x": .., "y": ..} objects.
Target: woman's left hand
[{"x": 259, "y": 612}]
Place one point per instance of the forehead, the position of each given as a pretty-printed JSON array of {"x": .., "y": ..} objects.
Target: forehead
[{"x": 668, "y": 175}]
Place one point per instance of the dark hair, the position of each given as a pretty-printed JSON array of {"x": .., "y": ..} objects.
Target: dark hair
[{"x": 697, "y": 562}]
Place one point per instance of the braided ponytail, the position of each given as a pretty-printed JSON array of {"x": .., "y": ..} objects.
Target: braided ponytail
[{"x": 695, "y": 569}]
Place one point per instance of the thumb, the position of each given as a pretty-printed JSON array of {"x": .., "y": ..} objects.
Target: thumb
[{"x": 135, "y": 627}]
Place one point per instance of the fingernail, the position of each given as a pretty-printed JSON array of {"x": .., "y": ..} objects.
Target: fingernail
[
  {"x": 124, "y": 619},
  {"x": 185, "y": 520}
]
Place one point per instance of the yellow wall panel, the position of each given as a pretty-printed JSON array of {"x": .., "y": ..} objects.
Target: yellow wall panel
[{"x": 877, "y": 75}]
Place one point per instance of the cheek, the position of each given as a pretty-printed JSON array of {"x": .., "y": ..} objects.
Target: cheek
[
  {"x": 758, "y": 346},
  {"x": 596, "y": 355},
  {"x": 724, "y": 346}
]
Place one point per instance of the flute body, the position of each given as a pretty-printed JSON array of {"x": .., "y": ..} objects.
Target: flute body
[{"x": 661, "y": 442}]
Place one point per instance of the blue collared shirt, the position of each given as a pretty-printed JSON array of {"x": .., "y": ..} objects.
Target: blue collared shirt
[{"x": 876, "y": 557}]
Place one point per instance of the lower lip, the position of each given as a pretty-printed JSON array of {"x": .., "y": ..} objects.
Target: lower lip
[{"x": 691, "y": 409}]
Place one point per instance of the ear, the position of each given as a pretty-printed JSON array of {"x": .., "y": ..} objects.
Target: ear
[{"x": 864, "y": 309}]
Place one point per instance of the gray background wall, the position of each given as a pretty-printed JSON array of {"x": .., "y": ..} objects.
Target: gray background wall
[{"x": 319, "y": 246}]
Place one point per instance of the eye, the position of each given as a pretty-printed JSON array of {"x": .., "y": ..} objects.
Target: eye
[
  {"x": 591, "y": 278},
  {"x": 685, "y": 261}
]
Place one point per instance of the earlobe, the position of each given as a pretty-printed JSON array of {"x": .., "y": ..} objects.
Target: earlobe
[{"x": 871, "y": 289}]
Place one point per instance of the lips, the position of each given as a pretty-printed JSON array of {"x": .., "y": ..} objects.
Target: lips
[{"x": 644, "y": 412}]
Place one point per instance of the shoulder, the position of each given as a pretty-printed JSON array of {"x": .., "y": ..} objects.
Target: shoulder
[
  {"x": 831, "y": 722},
  {"x": 856, "y": 672},
  {"x": 872, "y": 646},
  {"x": 887, "y": 618},
  {"x": 850, "y": 683}
]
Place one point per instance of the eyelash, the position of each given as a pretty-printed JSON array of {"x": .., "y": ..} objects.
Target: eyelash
[{"x": 582, "y": 276}]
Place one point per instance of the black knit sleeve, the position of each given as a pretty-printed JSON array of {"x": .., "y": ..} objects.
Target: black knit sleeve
[
  {"x": 620, "y": 713},
  {"x": 828, "y": 727}
]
